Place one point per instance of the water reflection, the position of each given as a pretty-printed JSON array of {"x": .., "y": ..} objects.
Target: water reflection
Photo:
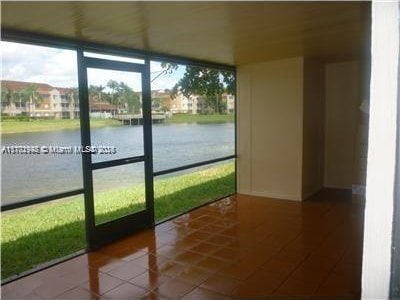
[{"x": 29, "y": 176}]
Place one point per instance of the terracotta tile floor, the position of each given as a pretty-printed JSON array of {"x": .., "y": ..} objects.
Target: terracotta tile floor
[{"x": 239, "y": 247}]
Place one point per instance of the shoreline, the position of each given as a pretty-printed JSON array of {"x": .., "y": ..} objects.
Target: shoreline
[{"x": 15, "y": 127}]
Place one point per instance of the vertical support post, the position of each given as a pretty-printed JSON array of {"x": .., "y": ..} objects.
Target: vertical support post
[
  {"x": 85, "y": 140},
  {"x": 236, "y": 135},
  {"x": 148, "y": 139}
]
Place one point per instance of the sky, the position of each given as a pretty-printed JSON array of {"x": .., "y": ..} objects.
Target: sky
[{"x": 58, "y": 68}]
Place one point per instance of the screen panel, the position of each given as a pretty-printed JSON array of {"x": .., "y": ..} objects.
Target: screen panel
[
  {"x": 115, "y": 111},
  {"x": 118, "y": 191},
  {"x": 36, "y": 234},
  {"x": 40, "y": 125},
  {"x": 196, "y": 108},
  {"x": 178, "y": 192}
]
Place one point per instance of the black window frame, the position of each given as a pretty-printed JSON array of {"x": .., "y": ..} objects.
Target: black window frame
[{"x": 36, "y": 39}]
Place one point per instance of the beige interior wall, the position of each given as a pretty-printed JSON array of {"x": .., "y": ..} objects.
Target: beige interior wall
[
  {"x": 270, "y": 118},
  {"x": 297, "y": 126},
  {"x": 342, "y": 94},
  {"x": 313, "y": 127}
]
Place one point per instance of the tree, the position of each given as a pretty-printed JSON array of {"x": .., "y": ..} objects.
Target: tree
[
  {"x": 123, "y": 96},
  {"x": 97, "y": 91},
  {"x": 30, "y": 95},
  {"x": 118, "y": 94},
  {"x": 74, "y": 96},
  {"x": 210, "y": 83},
  {"x": 129, "y": 98},
  {"x": 7, "y": 96},
  {"x": 113, "y": 86},
  {"x": 159, "y": 104}
]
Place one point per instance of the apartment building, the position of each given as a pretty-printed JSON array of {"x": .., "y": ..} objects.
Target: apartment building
[
  {"x": 180, "y": 104},
  {"x": 196, "y": 104},
  {"x": 38, "y": 100},
  {"x": 184, "y": 105}
]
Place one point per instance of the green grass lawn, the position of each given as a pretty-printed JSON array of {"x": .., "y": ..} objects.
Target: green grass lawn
[
  {"x": 40, "y": 233},
  {"x": 15, "y": 126}
]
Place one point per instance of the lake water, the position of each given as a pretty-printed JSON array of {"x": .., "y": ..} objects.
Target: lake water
[{"x": 29, "y": 176}]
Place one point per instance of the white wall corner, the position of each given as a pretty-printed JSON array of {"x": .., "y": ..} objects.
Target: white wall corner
[{"x": 381, "y": 151}]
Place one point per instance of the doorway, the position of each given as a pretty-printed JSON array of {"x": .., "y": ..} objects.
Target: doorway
[{"x": 110, "y": 158}]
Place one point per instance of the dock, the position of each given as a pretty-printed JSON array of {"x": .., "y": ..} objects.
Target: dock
[{"x": 138, "y": 119}]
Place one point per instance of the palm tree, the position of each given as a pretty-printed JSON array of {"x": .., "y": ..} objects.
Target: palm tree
[
  {"x": 129, "y": 98},
  {"x": 30, "y": 95},
  {"x": 74, "y": 96},
  {"x": 96, "y": 90},
  {"x": 112, "y": 85},
  {"x": 7, "y": 96},
  {"x": 73, "y": 101}
]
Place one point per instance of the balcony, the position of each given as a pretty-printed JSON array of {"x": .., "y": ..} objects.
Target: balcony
[{"x": 241, "y": 246}]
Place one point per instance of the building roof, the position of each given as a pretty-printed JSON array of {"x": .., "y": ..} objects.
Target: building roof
[
  {"x": 102, "y": 106},
  {"x": 63, "y": 90},
  {"x": 42, "y": 88}
]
